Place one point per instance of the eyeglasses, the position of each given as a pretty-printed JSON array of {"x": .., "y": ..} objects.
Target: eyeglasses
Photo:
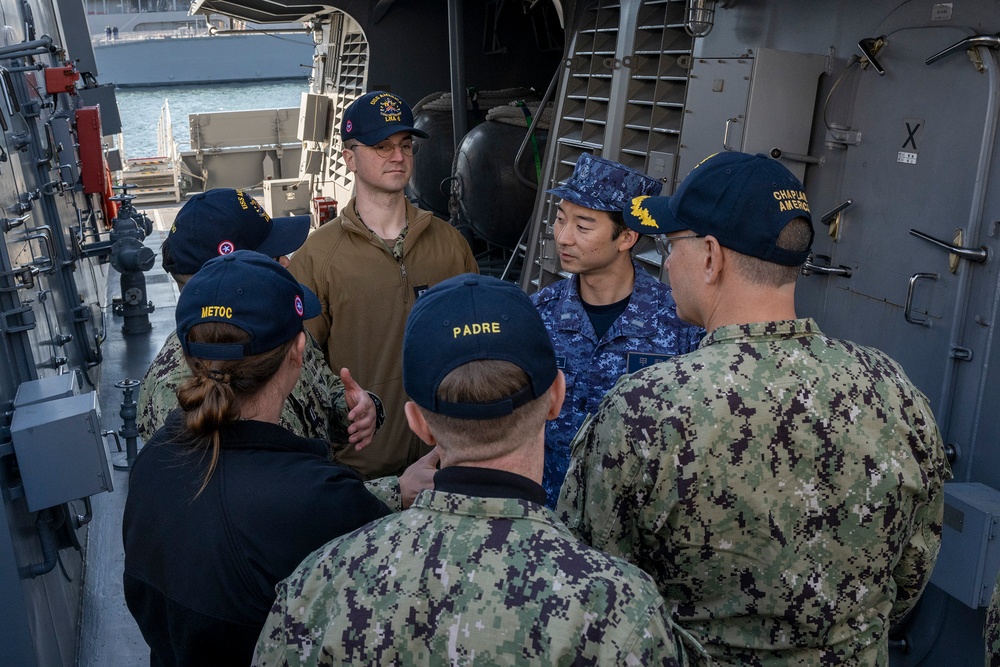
[
  {"x": 386, "y": 149},
  {"x": 665, "y": 245}
]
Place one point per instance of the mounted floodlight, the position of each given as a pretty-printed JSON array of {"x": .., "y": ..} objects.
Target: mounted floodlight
[{"x": 700, "y": 17}]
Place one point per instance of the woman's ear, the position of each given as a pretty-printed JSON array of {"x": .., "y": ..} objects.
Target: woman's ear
[{"x": 296, "y": 353}]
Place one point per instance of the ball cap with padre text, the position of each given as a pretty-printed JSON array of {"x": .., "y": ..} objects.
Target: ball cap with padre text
[{"x": 471, "y": 318}]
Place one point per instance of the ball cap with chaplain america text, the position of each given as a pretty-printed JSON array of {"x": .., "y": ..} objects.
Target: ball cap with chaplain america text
[
  {"x": 222, "y": 220},
  {"x": 377, "y": 116},
  {"x": 250, "y": 291},
  {"x": 743, "y": 200},
  {"x": 471, "y": 318},
  {"x": 603, "y": 185}
]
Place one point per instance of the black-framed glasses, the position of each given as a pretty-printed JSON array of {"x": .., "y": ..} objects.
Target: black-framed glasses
[
  {"x": 665, "y": 245},
  {"x": 386, "y": 149}
]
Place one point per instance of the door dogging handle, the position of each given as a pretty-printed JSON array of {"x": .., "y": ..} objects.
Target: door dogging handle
[
  {"x": 869, "y": 47},
  {"x": 829, "y": 216},
  {"x": 991, "y": 41},
  {"x": 978, "y": 255},
  {"x": 810, "y": 266}
]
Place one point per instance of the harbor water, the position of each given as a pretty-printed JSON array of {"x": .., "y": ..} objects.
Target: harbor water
[{"x": 140, "y": 108}]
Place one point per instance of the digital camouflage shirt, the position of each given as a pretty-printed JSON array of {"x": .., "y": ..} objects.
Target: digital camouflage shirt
[
  {"x": 993, "y": 628},
  {"x": 649, "y": 326},
  {"x": 783, "y": 488},
  {"x": 316, "y": 408},
  {"x": 465, "y": 580}
]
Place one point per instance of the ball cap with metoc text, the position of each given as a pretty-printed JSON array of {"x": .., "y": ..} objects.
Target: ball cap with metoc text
[
  {"x": 223, "y": 220},
  {"x": 471, "y": 318},
  {"x": 377, "y": 116},
  {"x": 743, "y": 200},
  {"x": 603, "y": 185},
  {"x": 250, "y": 291}
]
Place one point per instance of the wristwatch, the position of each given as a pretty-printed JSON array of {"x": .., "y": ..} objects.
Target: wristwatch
[{"x": 379, "y": 411}]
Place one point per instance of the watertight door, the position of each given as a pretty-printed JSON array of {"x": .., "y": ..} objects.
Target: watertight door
[{"x": 922, "y": 163}]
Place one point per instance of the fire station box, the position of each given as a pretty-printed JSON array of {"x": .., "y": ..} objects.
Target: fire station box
[
  {"x": 60, "y": 452},
  {"x": 970, "y": 551}
]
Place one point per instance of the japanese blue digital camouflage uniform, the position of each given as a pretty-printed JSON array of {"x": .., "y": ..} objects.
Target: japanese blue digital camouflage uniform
[
  {"x": 992, "y": 631},
  {"x": 649, "y": 325},
  {"x": 316, "y": 408},
  {"x": 783, "y": 488},
  {"x": 462, "y": 580}
]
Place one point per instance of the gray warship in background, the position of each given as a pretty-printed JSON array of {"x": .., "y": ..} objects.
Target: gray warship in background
[
  {"x": 887, "y": 110},
  {"x": 140, "y": 43}
]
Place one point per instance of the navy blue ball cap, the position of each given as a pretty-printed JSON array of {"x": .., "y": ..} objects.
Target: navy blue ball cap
[
  {"x": 603, "y": 185},
  {"x": 743, "y": 200},
  {"x": 377, "y": 116},
  {"x": 223, "y": 220},
  {"x": 472, "y": 318},
  {"x": 250, "y": 291}
]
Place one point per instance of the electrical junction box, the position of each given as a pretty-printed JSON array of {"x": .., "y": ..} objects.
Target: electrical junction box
[
  {"x": 45, "y": 389},
  {"x": 287, "y": 196},
  {"x": 60, "y": 80},
  {"x": 970, "y": 549},
  {"x": 60, "y": 452},
  {"x": 313, "y": 117},
  {"x": 751, "y": 104}
]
